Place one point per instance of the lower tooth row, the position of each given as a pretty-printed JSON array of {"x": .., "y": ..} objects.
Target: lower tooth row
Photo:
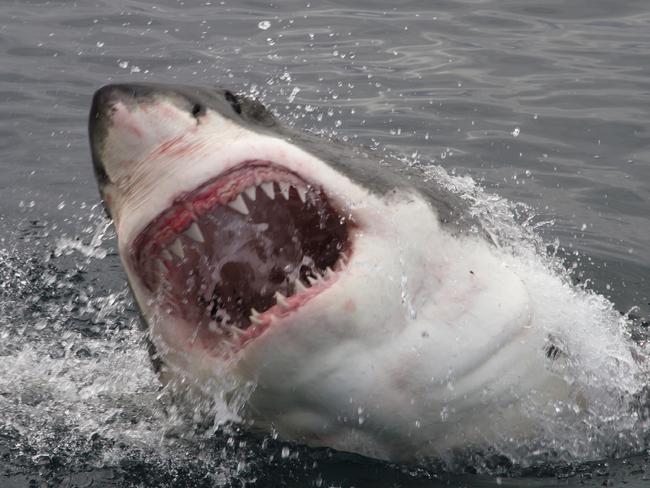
[
  {"x": 281, "y": 299},
  {"x": 255, "y": 316}
]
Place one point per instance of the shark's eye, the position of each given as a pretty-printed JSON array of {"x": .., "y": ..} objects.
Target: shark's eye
[
  {"x": 197, "y": 109},
  {"x": 233, "y": 101}
]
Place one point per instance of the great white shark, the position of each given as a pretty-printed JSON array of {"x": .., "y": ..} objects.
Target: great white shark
[{"x": 362, "y": 303}]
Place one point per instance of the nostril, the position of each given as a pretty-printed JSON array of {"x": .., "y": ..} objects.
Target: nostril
[{"x": 197, "y": 109}]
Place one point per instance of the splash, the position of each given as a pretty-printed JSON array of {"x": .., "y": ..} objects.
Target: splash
[
  {"x": 592, "y": 344},
  {"x": 77, "y": 391},
  {"x": 76, "y": 382}
]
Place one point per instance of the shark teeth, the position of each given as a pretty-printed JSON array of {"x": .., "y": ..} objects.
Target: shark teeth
[
  {"x": 302, "y": 193},
  {"x": 284, "y": 189},
  {"x": 177, "y": 248},
  {"x": 281, "y": 299},
  {"x": 314, "y": 280},
  {"x": 236, "y": 331},
  {"x": 193, "y": 232},
  {"x": 182, "y": 254},
  {"x": 267, "y": 188},
  {"x": 251, "y": 192},
  {"x": 239, "y": 205}
]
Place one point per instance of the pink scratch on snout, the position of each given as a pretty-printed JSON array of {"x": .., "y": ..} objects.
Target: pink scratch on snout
[
  {"x": 175, "y": 147},
  {"x": 168, "y": 146}
]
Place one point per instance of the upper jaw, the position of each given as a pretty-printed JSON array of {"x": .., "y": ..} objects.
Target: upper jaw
[{"x": 155, "y": 183}]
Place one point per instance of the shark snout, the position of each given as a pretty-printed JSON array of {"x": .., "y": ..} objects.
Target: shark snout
[{"x": 129, "y": 121}]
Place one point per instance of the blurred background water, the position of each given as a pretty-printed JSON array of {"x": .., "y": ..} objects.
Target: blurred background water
[{"x": 546, "y": 103}]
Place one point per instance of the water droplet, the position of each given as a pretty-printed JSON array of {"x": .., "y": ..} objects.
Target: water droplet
[
  {"x": 293, "y": 94},
  {"x": 444, "y": 413},
  {"x": 40, "y": 324}
]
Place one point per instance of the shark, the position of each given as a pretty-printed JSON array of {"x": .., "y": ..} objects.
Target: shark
[{"x": 364, "y": 305}]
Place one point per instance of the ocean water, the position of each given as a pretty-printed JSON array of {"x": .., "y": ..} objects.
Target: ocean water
[{"x": 546, "y": 104}]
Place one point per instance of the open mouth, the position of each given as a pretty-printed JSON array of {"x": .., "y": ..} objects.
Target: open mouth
[{"x": 242, "y": 250}]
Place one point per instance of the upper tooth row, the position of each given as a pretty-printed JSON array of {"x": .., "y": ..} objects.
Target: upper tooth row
[
  {"x": 176, "y": 247},
  {"x": 239, "y": 205}
]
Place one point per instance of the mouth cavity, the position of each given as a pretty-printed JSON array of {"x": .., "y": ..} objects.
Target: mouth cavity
[{"x": 242, "y": 250}]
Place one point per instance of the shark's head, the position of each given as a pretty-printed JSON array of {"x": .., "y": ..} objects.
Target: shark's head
[
  {"x": 227, "y": 229},
  {"x": 297, "y": 263}
]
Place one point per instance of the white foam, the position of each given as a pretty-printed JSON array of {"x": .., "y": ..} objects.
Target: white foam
[{"x": 598, "y": 358}]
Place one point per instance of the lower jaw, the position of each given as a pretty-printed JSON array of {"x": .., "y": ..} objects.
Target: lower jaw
[{"x": 185, "y": 334}]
